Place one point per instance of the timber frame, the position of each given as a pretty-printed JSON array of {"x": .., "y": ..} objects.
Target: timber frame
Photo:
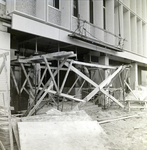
[{"x": 52, "y": 88}]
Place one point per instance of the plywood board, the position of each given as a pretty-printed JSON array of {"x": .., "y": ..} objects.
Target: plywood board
[
  {"x": 76, "y": 135},
  {"x": 62, "y": 116}
]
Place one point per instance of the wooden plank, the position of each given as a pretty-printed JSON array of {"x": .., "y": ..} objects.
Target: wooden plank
[
  {"x": 39, "y": 101},
  {"x": 37, "y": 104},
  {"x": 14, "y": 122},
  {"x": 131, "y": 90},
  {"x": 29, "y": 82},
  {"x": 92, "y": 65},
  {"x": 102, "y": 84},
  {"x": 109, "y": 78},
  {"x": 51, "y": 74},
  {"x": 2, "y": 146},
  {"x": 10, "y": 130},
  {"x": 44, "y": 73},
  {"x": 81, "y": 75},
  {"x": 66, "y": 96},
  {"x": 50, "y": 56},
  {"x": 73, "y": 85},
  {"x": 56, "y": 115},
  {"x": 13, "y": 77},
  {"x": 24, "y": 83},
  {"x": 65, "y": 78},
  {"x": 111, "y": 97},
  {"x": 66, "y": 135},
  {"x": 2, "y": 66},
  {"x": 48, "y": 82},
  {"x": 117, "y": 119},
  {"x": 141, "y": 101}
]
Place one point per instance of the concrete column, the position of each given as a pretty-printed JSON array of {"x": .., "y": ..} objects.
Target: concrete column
[
  {"x": 98, "y": 18},
  {"x": 133, "y": 34},
  {"x": 121, "y": 20},
  {"x": 139, "y": 8},
  {"x": 118, "y": 23},
  {"x": 144, "y": 32},
  {"x": 139, "y": 38},
  {"x": 144, "y": 9},
  {"x": 139, "y": 76},
  {"x": 104, "y": 60},
  {"x": 134, "y": 76},
  {"x": 127, "y": 30},
  {"x": 110, "y": 21}
]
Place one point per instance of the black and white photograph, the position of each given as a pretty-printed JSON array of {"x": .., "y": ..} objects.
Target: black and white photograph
[{"x": 73, "y": 74}]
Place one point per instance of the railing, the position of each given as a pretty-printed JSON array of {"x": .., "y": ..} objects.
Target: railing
[{"x": 89, "y": 30}]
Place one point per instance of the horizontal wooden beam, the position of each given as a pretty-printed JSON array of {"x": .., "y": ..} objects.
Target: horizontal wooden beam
[
  {"x": 66, "y": 96},
  {"x": 49, "y": 56},
  {"x": 81, "y": 74},
  {"x": 92, "y": 65}
]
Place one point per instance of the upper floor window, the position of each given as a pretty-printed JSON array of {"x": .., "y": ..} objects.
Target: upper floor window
[
  {"x": 91, "y": 10},
  {"x": 54, "y": 3},
  {"x": 104, "y": 14},
  {"x": 75, "y": 8}
]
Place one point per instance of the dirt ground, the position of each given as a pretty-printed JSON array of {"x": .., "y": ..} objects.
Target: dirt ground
[{"x": 126, "y": 134}]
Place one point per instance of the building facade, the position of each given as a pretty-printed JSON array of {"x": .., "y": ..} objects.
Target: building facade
[{"x": 109, "y": 32}]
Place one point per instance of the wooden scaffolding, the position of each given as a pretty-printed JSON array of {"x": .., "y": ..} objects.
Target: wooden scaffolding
[{"x": 54, "y": 87}]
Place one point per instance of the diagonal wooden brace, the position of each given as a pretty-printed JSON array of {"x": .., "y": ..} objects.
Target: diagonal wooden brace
[
  {"x": 104, "y": 83},
  {"x": 111, "y": 97},
  {"x": 25, "y": 73},
  {"x": 22, "y": 88},
  {"x": 51, "y": 74},
  {"x": 13, "y": 77}
]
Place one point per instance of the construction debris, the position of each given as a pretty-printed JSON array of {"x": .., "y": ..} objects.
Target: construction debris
[
  {"x": 6, "y": 136},
  {"x": 120, "y": 118},
  {"x": 137, "y": 98},
  {"x": 64, "y": 128}
]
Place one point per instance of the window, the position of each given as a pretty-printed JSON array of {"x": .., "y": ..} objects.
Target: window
[
  {"x": 91, "y": 10},
  {"x": 54, "y": 3},
  {"x": 75, "y": 8},
  {"x": 104, "y": 14}
]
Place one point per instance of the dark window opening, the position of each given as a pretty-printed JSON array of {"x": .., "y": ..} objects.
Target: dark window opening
[
  {"x": 75, "y": 8},
  {"x": 56, "y": 4},
  {"x": 91, "y": 10},
  {"x": 104, "y": 14}
]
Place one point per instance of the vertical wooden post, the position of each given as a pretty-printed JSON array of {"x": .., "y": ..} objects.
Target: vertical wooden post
[{"x": 58, "y": 76}]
